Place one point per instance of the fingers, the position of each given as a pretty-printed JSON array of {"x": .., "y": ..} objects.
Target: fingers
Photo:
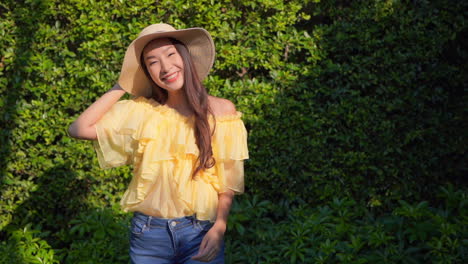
[
  {"x": 204, "y": 243},
  {"x": 205, "y": 257},
  {"x": 208, "y": 251},
  {"x": 202, "y": 252}
]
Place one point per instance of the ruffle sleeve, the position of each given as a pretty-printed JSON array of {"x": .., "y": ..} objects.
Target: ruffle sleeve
[
  {"x": 116, "y": 141},
  {"x": 230, "y": 150}
]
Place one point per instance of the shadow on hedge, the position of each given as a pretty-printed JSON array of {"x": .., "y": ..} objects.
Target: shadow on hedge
[
  {"x": 57, "y": 213},
  {"x": 57, "y": 198},
  {"x": 383, "y": 112},
  {"x": 27, "y": 17}
]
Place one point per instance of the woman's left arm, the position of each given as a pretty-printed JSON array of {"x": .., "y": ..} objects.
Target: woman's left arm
[{"x": 211, "y": 243}]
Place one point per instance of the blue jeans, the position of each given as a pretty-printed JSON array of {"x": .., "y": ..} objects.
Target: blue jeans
[{"x": 160, "y": 241}]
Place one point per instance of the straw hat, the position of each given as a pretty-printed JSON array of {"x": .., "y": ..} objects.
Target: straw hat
[{"x": 198, "y": 41}]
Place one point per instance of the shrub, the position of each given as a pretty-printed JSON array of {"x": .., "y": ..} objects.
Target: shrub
[{"x": 344, "y": 231}]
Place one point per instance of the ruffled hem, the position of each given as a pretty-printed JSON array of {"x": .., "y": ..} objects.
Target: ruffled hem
[{"x": 169, "y": 191}]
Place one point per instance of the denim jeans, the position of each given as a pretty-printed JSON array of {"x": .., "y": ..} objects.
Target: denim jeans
[{"x": 157, "y": 241}]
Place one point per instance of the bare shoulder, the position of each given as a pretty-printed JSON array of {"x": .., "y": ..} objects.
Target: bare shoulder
[{"x": 221, "y": 106}]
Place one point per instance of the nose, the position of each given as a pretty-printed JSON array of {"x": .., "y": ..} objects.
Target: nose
[{"x": 165, "y": 66}]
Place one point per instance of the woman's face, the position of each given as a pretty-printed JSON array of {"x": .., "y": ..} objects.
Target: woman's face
[{"x": 164, "y": 64}]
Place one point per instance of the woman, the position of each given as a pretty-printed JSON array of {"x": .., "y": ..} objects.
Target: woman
[{"x": 187, "y": 147}]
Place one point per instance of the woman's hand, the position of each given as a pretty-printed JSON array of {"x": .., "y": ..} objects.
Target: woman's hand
[
  {"x": 211, "y": 243},
  {"x": 213, "y": 240}
]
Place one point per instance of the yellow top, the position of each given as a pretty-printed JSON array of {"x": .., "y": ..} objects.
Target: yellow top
[{"x": 160, "y": 144}]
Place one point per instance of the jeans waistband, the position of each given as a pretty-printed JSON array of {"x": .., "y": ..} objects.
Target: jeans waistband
[{"x": 152, "y": 220}]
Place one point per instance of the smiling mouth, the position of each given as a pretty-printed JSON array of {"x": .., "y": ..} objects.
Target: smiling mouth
[{"x": 171, "y": 77}]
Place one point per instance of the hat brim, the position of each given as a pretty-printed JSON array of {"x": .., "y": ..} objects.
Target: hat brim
[{"x": 198, "y": 42}]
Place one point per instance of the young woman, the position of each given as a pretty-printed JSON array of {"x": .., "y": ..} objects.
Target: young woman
[{"x": 186, "y": 147}]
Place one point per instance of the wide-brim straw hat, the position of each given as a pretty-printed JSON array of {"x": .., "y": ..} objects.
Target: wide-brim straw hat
[{"x": 197, "y": 40}]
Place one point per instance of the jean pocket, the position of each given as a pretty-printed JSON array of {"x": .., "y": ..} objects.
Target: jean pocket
[{"x": 137, "y": 227}]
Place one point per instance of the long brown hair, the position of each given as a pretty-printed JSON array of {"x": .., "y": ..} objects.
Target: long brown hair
[{"x": 197, "y": 97}]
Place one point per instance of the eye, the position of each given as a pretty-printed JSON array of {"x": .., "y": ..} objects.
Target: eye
[
  {"x": 153, "y": 62},
  {"x": 170, "y": 54}
]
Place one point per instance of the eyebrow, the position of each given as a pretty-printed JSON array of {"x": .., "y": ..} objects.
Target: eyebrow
[{"x": 164, "y": 50}]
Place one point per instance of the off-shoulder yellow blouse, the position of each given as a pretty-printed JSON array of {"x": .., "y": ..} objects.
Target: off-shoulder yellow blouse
[{"x": 160, "y": 144}]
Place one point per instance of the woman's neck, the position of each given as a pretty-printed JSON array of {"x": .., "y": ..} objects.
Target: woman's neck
[{"x": 178, "y": 101}]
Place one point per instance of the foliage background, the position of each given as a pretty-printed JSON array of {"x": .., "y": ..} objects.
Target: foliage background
[{"x": 356, "y": 112}]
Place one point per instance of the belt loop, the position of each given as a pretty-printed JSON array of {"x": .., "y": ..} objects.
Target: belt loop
[
  {"x": 148, "y": 221},
  {"x": 194, "y": 219}
]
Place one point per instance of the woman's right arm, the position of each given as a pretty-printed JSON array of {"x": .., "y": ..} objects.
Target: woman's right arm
[{"x": 84, "y": 125}]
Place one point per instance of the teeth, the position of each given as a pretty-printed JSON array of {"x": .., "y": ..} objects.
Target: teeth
[{"x": 172, "y": 75}]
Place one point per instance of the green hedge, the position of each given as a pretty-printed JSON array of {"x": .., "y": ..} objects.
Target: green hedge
[
  {"x": 342, "y": 231},
  {"x": 339, "y": 231},
  {"x": 358, "y": 101}
]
